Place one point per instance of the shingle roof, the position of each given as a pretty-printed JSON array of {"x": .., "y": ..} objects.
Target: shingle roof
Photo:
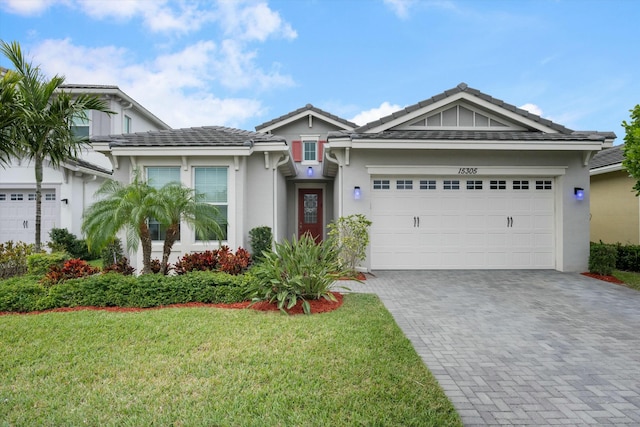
[
  {"x": 85, "y": 86},
  {"x": 89, "y": 165},
  {"x": 607, "y": 157},
  {"x": 472, "y": 135},
  {"x": 307, "y": 107},
  {"x": 462, "y": 87},
  {"x": 206, "y": 136}
]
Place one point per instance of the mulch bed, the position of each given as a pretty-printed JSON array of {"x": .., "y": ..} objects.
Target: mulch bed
[
  {"x": 317, "y": 306},
  {"x": 609, "y": 279}
]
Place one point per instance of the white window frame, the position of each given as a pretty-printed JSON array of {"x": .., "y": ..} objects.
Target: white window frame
[
  {"x": 161, "y": 230},
  {"x": 126, "y": 125},
  {"x": 225, "y": 204},
  {"x": 310, "y": 139},
  {"x": 79, "y": 122}
]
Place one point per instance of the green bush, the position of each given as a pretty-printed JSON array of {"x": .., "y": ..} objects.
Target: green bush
[
  {"x": 351, "y": 234},
  {"x": 115, "y": 290},
  {"x": 602, "y": 259},
  {"x": 261, "y": 239},
  {"x": 296, "y": 270},
  {"x": 13, "y": 258},
  {"x": 40, "y": 264},
  {"x": 112, "y": 253},
  {"x": 628, "y": 257},
  {"x": 64, "y": 241}
]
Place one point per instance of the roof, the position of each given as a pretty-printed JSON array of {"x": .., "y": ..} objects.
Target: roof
[
  {"x": 608, "y": 157},
  {"x": 114, "y": 90},
  {"x": 467, "y": 135},
  {"x": 308, "y": 107},
  {"x": 88, "y": 165},
  {"x": 205, "y": 136},
  {"x": 462, "y": 87}
]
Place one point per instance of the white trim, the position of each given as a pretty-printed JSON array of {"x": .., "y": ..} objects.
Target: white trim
[
  {"x": 454, "y": 170},
  {"x": 309, "y": 138},
  {"x": 606, "y": 169},
  {"x": 303, "y": 115},
  {"x": 474, "y": 145}
]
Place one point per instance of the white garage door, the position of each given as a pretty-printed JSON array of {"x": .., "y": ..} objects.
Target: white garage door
[
  {"x": 462, "y": 223},
  {"x": 18, "y": 215}
]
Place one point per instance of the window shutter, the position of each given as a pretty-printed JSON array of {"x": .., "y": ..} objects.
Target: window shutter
[
  {"x": 296, "y": 148},
  {"x": 321, "y": 150}
]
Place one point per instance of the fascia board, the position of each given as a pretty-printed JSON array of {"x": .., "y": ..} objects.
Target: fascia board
[
  {"x": 101, "y": 147},
  {"x": 606, "y": 169},
  {"x": 447, "y": 170},
  {"x": 85, "y": 171},
  {"x": 339, "y": 143},
  {"x": 478, "y": 145},
  {"x": 180, "y": 151},
  {"x": 270, "y": 146},
  {"x": 302, "y": 115}
]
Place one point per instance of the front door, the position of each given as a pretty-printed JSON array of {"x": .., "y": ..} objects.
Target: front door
[{"x": 310, "y": 212}]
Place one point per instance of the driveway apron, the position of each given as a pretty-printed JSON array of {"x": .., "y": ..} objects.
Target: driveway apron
[{"x": 522, "y": 347}]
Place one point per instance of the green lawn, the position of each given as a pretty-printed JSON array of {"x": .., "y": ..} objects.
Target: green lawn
[
  {"x": 630, "y": 278},
  {"x": 206, "y": 366}
]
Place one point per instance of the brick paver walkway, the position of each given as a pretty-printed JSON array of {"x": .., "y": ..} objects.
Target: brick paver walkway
[{"x": 522, "y": 347}]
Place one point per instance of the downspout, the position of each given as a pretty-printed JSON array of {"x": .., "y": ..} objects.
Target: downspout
[
  {"x": 335, "y": 161},
  {"x": 282, "y": 162}
]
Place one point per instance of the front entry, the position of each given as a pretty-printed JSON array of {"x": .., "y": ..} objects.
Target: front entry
[{"x": 310, "y": 213}]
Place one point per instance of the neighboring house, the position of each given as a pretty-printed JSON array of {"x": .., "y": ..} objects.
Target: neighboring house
[
  {"x": 615, "y": 208},
  {"x": 68, "y": 190},
  {"x": 458, "y": 181}
]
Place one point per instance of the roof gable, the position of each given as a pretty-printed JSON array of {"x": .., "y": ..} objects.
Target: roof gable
[
  {"x": 608, "y": 157},
  {"x": 463, "y": 108},
  {"x": 308, "y": 111}
]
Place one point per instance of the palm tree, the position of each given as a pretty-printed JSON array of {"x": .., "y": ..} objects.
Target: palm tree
[
  {"x": 8, "y": 113},
  {"x": 181, "y": 204},
  {"x": 127, "y": 207},
  {"x": 42, "y": 129}
]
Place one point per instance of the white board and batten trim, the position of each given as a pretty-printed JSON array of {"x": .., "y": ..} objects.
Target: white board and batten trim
[{"x": 486, "y": 221}]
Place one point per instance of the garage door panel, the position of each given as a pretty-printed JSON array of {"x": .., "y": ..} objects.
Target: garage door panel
[{"x": 480, "y": 225}]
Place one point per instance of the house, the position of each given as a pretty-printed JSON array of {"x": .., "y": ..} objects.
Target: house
[
  {"x": 458, "y": 181},
  {"x": 615, "y": 208},
  {"x": 68, "y": 190}
]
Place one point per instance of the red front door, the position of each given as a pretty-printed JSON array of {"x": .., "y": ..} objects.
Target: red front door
[{"x": 310, "y": 213}]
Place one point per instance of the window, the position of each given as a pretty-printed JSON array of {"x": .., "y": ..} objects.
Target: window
[
  {"x": 498, "y": 185},
  {"x": 451, "y": 184},
  {"x": 31, "y": 196},
  {"x": 520, "y": 185},
  {"x": 381, "y": 184},
  {"x": 427, "y": 184},
  {"x": 474, "y": 185},
  {"x": 309, "y": 150},
  {"x": 50, "y": 197},
  {"x": 17, "y": 197},
  {"x": 212, "y": 183},
  {"x": 3, "y": 197},
  {"x": 80, "y": 125},
  {"x": 157, "y": 177},
  {"x": 543, "y": 185},
  {"x": 127, "y": 124},
  {"x": 404, "y": 184}
]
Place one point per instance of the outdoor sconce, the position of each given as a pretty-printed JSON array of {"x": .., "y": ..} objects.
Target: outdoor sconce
[
  {"x": 65, "y": 201},
  {"x": 357, "y": 193},
  {"x": 309, "y": 171},
  {"x": 578, "y": 193}
]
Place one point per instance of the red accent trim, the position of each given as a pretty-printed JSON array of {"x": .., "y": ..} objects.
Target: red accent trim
[
  {"x": 321, "y": 150},
  {"x": 296, "y": 149}
]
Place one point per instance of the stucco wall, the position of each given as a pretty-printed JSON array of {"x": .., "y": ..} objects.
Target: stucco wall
[{"x": 615, "y": 211}]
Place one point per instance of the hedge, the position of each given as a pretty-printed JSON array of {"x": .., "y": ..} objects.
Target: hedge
[
  {"x": 22, "y": 294},
  {"x": 627, "y": 257}
]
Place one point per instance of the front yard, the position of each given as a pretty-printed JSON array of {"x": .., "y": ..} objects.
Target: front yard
[
  {"x": 630, "y": 278},
  {"x": 208, "y": 366}
]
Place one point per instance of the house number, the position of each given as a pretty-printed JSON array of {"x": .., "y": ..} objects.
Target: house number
[{"x": 468, "y": 171}]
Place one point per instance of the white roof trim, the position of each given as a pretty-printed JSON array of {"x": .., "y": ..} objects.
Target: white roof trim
[
  {"x": 454, "y": 170},
  {"x": 606, "y": 169},
  {"x": 302, "y": 115},
  {"x": 471, "y": 145}
]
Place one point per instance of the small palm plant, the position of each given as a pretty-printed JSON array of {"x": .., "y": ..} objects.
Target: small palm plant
[{"x": 300, "y": 269}]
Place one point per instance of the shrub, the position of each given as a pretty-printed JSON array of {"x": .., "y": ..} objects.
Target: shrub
[
  {"x": 71, "y": 269},
  {"x": 602, "y": 259},
  {"x": 112, "y": 253},
  {"x": 156, "y": 267},
  {"x": 351, "y": 233},
  {"x": 21, "y": 294},
  {"x": 39, "y": 264},
  {"x": 296, "y": 270},
  {"x": 64, "y": 241},
  {"x": 628, "y": 257},
  {"x": 13, "y": 258},
  {"x": 261, "y": 239},
  {"x": 217, "y": 260},
  {"x": 122, "y": 266}
]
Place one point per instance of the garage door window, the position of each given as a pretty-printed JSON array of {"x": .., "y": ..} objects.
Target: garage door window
[
  {"x": 15, "y": 197},
  {"x": 451, "y": 184},
  {"x": 49, "y": 197},
  {"x": 381, "y": 184},
  {"x": 543, "y": 185},
  {"x": 520, "y": 185},
  {"x": 498, "y": 185},
  {"x": 474, "y": 185},
  {"x": 3, "y": 197},
  {"x": 428, "y": 184},
  {"x": 404, "y": 184}
]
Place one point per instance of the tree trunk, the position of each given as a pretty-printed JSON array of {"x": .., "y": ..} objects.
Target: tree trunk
[
  {"x": 173, "y": 234},
  {"x": 145, "y": 240},
  {"x": 38, "y": 167}
]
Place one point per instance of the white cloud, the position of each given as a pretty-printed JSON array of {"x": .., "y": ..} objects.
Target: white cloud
[
  {"x": 400, "y": 7},
  {"x": 532, "y": 108},
  {"x": 375, "y": 113},
  {"x": 28, "y": 7},
  {"x": 252, "y": 21}
]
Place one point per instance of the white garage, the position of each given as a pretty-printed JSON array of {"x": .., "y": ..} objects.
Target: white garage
[
  {"x": 454, "y": 222},
  {"x": 18, "y": 214}
]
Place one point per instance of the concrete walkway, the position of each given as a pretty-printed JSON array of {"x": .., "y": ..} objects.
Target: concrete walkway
[{"x": 522, "y": 347}]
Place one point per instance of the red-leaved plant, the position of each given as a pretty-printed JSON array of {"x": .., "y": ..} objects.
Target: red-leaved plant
[
  {"x": 222, "y": 259},
  {"x": 72, "y": 269}
]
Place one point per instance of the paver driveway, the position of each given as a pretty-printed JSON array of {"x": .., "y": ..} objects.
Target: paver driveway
[{"x": 522, "y": 347}]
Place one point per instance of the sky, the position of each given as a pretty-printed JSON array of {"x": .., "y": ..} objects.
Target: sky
[{"x": 240, "y": 63}]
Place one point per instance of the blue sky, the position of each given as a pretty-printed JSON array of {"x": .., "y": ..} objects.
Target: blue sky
[{"x": 241, "y": 63}]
